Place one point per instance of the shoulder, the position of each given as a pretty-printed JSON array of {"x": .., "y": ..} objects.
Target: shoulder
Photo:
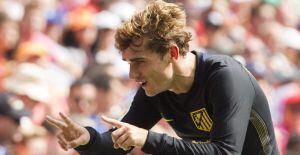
[
  {"x": 221, "y": 61},
  {"x": 217, "y": 60}
]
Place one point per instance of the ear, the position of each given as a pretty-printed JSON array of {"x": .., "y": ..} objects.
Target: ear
[{"x": 174, "y": 51}]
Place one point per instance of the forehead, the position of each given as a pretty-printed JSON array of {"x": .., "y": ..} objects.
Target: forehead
[{"x": 138, "y": 48}]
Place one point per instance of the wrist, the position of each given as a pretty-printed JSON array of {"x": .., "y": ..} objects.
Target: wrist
[
  {"x": 87, "y": 137},
  {"x": 144, "y": 137}
]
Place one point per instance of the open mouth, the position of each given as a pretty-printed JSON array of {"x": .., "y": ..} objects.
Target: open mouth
[{"x": 144, "y": 84}]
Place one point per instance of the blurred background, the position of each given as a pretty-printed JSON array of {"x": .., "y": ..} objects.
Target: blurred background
[{"x": 59, "y": 56}]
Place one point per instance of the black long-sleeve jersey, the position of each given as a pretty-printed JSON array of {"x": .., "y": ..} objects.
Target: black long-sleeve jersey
[{"x": 225, "y": 112}]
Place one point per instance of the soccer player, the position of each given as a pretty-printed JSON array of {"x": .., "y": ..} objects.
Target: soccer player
[{"x": 211, "y": 101}]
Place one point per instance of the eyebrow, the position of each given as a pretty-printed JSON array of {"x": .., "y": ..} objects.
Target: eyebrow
[
  {"x": 134, "y": 59},
  {"x": 135, "y": 48}
]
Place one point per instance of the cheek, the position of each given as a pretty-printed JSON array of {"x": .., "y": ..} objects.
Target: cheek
[
  {"x": 160, "y": 79},
  {"x": 164, "y": 73},
  {"x": 143, "y": 70}
]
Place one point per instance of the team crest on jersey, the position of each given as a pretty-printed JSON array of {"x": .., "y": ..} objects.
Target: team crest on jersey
[{"x": 201, "y": 119}]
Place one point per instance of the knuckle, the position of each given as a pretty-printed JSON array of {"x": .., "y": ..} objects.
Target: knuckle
[
  {"x": 130, "y": 139},
  {"x": 126, "y": 128},
  {"x": 61, "y": 144},
  {"x": 118, "y": 140},
  {"x": 73, "y": 144},
  {"x": 113, "y": 134}
]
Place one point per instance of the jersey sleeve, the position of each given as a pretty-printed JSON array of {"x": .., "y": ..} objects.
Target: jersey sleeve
[
  {"x": 142, "y": 113},
  {"x": 231, "y": 94}
]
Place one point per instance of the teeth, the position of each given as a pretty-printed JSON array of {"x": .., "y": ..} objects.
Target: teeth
[{"x": 141, "y": 82}]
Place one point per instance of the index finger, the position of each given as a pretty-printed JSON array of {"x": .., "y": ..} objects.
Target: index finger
[
  {"x": 68, "y": 121},
  {"x": 57, "y": 123},
  {"x": 111, "y": 121}
]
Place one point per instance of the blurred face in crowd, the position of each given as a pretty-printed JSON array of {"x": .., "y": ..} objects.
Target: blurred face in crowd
[
  {"x": 106, "y": 99},
  {"x": 292, "y": 117},
  {"x": 82, "y": 99},
  {"x": 152, "y": 71},
  {"x": 8, "y": 128},
  {"x": 34, "y": 20},
  {"x": 86, "y": 36},
  {"x": 9, "y": 35},
  {"x": 107, "y": 38}
]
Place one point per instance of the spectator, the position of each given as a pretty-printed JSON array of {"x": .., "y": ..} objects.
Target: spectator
[
  {"x": 109, "y": 91},
  {"x": 9, "y": 120},
  {"x": 83, "y": 104},
  {"x": 293, "y": 146},
  {"x": 291, "y": 120}
]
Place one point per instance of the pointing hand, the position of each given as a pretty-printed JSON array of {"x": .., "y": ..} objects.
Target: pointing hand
[
  {"x": 71, "y": 134},
  {"x": 126, "y": 135}
]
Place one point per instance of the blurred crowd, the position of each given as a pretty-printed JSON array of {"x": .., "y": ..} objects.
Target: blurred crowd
[{"x": 59, "y": 56}]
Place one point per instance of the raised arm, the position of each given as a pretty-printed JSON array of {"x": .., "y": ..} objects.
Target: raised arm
[{"x": 141, "y": 116}]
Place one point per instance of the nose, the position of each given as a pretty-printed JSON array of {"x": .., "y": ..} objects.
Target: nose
[{"x": 133, "y": 72}]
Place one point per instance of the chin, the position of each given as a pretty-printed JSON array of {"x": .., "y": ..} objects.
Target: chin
[{"x": 151, "y": 93}]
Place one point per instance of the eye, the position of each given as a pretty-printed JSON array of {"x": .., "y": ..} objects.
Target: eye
[{"x": 138, "y": 62}]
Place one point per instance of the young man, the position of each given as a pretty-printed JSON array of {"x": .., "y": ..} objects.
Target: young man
[{"x": 211, "y": 102}]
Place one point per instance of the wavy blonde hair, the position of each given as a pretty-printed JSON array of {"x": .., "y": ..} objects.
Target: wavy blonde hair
[{"x": 162, "y": 23}]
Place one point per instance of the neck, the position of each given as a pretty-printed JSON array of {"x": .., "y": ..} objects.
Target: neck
[{"x": 184, "y": 72}]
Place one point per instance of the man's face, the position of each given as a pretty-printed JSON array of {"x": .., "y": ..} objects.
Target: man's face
[
  {"x": 82, "y": 99},
  {"x": 152, "y": 71}
]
